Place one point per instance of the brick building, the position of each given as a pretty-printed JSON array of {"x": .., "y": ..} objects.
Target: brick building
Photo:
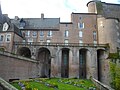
[{"x": 67, "y": 49}]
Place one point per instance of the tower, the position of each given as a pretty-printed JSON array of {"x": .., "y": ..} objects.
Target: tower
[
  {"x": 1, "y": 18},
  {"x": 95, "y": 6},
  {"x": 0, "y": 14}
]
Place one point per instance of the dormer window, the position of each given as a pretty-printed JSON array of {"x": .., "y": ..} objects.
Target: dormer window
[
  {"x": 5, "y": 26},
  {"x": 22, "y": 24}
]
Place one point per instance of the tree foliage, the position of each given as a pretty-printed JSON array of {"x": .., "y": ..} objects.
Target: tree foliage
[{"x": 115, "y": 75}]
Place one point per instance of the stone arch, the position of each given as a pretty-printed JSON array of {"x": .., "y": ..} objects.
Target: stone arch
[
  {"x": 83, "y": 58},
  {"x": 24, "y": 51},
  {"x": 44, "y": 57},
  {"x": 65, "y": 62},
  {"x": 100, "y": 58}
]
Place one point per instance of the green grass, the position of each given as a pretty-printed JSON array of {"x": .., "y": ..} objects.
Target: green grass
[{"x": 61, "y": 84}]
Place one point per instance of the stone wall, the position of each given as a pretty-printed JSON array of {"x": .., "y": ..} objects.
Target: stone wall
[{"x": 16, "y": 67}]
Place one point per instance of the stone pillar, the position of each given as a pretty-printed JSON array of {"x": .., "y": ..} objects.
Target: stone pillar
[
  {"x": 93, "y": 64},
  {"x": 56, "y": 63},
  {"x": 74, "y": 63}
]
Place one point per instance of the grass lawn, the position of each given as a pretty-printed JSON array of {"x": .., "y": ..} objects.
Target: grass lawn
[{"x": 54, "y": 84}]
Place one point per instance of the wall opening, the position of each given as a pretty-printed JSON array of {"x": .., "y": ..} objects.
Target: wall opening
[
  {"x": 82, "y": 63},
  {"x": 24, "y": 51},
  {"x": 100, "y": 55},
  {"x": 44, "y": 57},
  {"x": 65, "y": 63}
]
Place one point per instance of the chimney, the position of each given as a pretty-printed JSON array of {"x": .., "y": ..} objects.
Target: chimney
[
  {"x": 16, "y": 18},
  {"x": 42, "y": 15}
]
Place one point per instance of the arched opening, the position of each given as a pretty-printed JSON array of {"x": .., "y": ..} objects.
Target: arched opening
[
  {"x": 82, "y": 63},
  {"x": 24, "y": 51},
  {"x": 100, "y": 56},
  {"x": 65, "y": 63},
  {"x": 45, "y": 62}
]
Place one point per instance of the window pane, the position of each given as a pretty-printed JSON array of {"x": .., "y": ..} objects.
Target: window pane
[
  {"x": 30, "y": 40},
  {"x": 94, "y": 35},
  {"x": 8, "y": 37},
  {"x": 1, "y": 37},
  {"x": 49, "y": 33},
  {"x": 27, "y": 33},
  {"x": 66, "y": 33},
  {"x": 34, "y": 34},
  {"x": 41, "y": 33},
  {"x": 48, "y": 42},
  {"x": 80, "y": 34},
  {"x": 81, "y": 25},
  {"x": 66, "y": 42}
]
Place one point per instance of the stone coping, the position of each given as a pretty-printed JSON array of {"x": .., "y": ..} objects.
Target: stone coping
[
  {"x": 106, "y": 87},
  {"x": 17, "y": 56},
  {"x": 6, "y": 85}
]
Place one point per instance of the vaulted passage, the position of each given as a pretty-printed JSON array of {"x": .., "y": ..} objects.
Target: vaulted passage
[
  {"x": 45, "y": 62},
  {"x": 100, "y": 56},
  {"x": 65, "y": 63},
  {"x": 24, "y": 51},
  {"x": 82, "y": 63}
]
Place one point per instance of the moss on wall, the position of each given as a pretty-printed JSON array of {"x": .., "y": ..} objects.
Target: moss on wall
[
  {"x": 115, "y": 75},
  {"x": 99, "y": 7},
  {"x": 114, "y": 56}
]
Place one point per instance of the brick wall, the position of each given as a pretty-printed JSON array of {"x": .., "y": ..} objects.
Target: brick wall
[{"x": 12, "y": 67}]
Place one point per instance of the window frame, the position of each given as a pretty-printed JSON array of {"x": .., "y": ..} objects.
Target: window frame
[
  {"x": 81, "y": 25},
  {"x": 41, "y": 34},
  {"x": 49, "y": 33},
  {"x": 28, "y": 34},
  {"x": 80, "y": 34},
  {"x": 3, "y": 37},
  {"x": 33, "y": 34},
  {"x": 7, "y": 37},
  {"x": 94, "y": 35},
  {"x": 66, "y": 33}
]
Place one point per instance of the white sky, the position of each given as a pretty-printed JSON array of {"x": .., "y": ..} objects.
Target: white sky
[{"x": 50, "y": 8}]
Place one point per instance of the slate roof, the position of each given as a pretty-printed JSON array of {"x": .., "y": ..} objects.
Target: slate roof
[
  {"x": 12, "y": 27},
  {"x": 38, "y": 23}
]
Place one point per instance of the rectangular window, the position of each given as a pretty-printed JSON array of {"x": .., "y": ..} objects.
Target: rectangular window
[
  {"x": 66, "y": 33},
  {"x": 80, "y": 42},
  {"x": 41, "y": 33},
  {"x": 66, "y": 42},
  {"x": 48, "y": 42},
  {"x": 1, "y": 38},
  {"x": 94, "y": 35},
  {"x": 94, "y": 42},
  {"x": 27, "y": 33},
  {"x": 8, "y": 37},
  {"x": 80, "y": 25},
  {"x": 49, "y": 34},
  {"x": 34, "y": 34},
  {"x": 30, "y": 40},
  {"x": 80, "y": 33}
]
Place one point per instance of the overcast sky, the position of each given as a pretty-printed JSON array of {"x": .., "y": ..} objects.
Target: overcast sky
[{"x": 50, "y": 8}]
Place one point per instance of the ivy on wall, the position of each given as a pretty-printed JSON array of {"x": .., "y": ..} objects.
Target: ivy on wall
[
  {"x": 99, "y": 7},
  {"x": 115, "y": 75},
  {"x": 113, "y": 55}
]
